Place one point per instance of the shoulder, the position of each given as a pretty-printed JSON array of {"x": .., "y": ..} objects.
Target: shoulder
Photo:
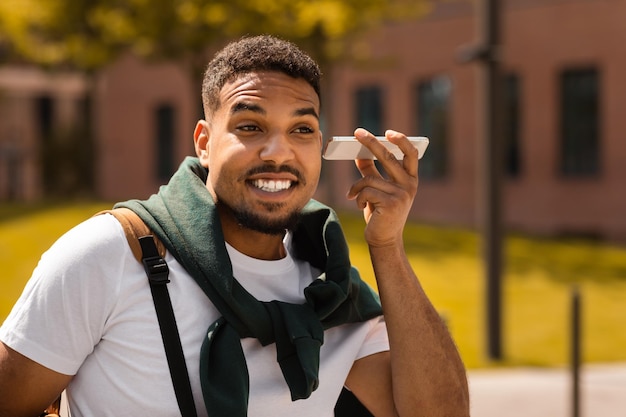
[
  {"x": 104, "y": 227},
  {"x": 71, "y": 295},
  {"x": 99, "y": 235},
  {"x": 97, "y": 244}
]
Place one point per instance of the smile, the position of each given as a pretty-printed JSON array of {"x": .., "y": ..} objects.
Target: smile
[{"x": 272, "y": 186}]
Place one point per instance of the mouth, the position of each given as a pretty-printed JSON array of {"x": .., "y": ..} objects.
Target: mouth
[
  {"x": 274, "y": 180},
  {"x": 272, "y": 185}
]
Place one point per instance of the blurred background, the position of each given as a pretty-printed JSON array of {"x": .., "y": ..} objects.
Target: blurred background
[{"x": 99, "y": 98}]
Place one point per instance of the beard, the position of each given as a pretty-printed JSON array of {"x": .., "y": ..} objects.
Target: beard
[
  {"x": 268, "y": 220},
  {"x": 265, "y": 223}
]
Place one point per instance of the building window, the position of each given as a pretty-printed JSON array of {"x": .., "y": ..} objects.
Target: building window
[
  {"x": 165, "y": 116},
  {"x": 433, "y": 97},
  {"x": 49, "y": 149},
  {"x": 512, "y": 153},
  {"x": 369, "y": 109},
  {"x": 369, "y": 114},
  {"x": 83, "y": 139},
  {"x": 45, "y": 117},
  {"x": 580, "y": 123}
]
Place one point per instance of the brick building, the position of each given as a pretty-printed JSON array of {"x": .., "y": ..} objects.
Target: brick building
[{"x": 565, "y": 91}]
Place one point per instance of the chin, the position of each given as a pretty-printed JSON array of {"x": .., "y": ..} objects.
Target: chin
[{"x": 267, "y": 224}]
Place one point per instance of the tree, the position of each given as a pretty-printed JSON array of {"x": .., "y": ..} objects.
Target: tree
[{"x": 87, "y": 34}]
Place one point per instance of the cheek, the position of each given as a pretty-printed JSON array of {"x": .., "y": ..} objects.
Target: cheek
[
  {"x": 221, "y": 155},
  {"x": 219, "y": 173}
]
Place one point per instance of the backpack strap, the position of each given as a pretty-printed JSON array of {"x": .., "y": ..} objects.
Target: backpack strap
[
  {"x": 53, "y": 409},
  {"x": 150, "y": 252},
  {"x": 134, "y": 228}
]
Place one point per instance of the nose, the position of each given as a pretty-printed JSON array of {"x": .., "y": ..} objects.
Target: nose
[{"x": 277, "y": 149}]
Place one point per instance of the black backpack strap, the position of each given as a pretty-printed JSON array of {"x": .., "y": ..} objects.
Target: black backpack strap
[
  {"x": 348, "y": 405},
  {"x": 158, "y": 272},
  {"x": 150, "y": 252}
]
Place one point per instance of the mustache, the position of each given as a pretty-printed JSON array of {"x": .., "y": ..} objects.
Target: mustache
[{"x": 276, "y": 169}]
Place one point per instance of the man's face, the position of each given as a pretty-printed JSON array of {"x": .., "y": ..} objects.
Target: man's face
[{"x": 262, "y": 147}]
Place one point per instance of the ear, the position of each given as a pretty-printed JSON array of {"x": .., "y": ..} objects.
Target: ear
[{"x": 201, "y": 136}]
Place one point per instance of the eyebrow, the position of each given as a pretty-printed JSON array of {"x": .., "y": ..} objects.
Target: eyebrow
[
  {"x": 306, "y": 111},
  {"x": 255, "y": 108},
  {"x": 243, "y": 106}
]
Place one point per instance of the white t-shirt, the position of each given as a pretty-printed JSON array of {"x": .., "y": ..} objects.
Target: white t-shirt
[{"x": 87, "y": 311}]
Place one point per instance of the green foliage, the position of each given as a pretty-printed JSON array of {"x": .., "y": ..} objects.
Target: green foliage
[
  {"x": 89, "y": 33},
  {"x": 53, "y": 32}
]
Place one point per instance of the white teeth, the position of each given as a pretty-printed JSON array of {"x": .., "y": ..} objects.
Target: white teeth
[{"x": 272, "y": 186}]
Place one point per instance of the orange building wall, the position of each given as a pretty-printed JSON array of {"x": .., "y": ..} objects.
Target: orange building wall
[
  {"x": 128, "y": 93},
  {"x": 539, "y": 42}
]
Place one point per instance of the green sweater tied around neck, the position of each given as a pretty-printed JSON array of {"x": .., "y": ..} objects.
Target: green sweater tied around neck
[{"x": 184, "y": 217}]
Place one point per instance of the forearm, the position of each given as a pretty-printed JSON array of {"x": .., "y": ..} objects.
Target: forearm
[{"x": 428, "y": 376}]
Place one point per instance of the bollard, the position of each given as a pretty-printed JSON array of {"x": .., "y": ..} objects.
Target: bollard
[{"x": 575, "y": 350}]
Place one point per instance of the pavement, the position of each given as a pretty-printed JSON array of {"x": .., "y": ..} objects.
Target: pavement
[{"x": 548, "y": 392}]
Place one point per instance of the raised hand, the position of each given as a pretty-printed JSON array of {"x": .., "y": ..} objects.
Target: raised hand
[{"x": 385, "y": 200}]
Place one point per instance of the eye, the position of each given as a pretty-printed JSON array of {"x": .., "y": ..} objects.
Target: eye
[
  {"x": 248, "y": 128},
  {"x": 304, "y": 129}
]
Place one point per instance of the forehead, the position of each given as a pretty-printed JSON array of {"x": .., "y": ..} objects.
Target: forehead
[{"x": 268, "y": 85}]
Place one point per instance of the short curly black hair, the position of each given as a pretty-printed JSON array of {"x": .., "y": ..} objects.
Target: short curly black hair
[{"x": 251, "y": 54}]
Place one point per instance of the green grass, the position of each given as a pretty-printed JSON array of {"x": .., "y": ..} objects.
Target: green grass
[
  {"x": 538, "y": 278},
  {"x": 537, "y": 281},
  {"x": 26, "y": 231}
]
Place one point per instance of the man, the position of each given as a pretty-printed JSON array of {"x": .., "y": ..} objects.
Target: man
[{"x": 253, "y": 259}]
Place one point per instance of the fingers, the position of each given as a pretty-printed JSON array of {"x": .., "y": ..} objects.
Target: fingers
[
  {"x": 401, "y": 173},
  {"x": 371, "y": 178},
  {"x": 395, "y": 168},
  {"x": 411, "y": 154},
  {"x": 374, "y": 190},
  {"x": 385, "y": 202}
]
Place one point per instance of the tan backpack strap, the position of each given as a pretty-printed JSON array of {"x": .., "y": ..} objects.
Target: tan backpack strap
[
  {"x": 53, "y": 410},
  {"x": 134, "y": 228}
]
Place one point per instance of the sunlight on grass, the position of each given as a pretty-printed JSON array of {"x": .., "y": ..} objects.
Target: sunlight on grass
[
  {"x": 25, "y": 233},
  {"x": 537, "y": 282}
]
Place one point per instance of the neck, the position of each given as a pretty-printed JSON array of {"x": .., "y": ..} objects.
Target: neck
[
  {"x": 258, "y": 245},
  {"x": 252, "y": 243}
]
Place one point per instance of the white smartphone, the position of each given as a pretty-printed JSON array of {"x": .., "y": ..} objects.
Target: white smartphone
[{"x": 348, "y": 148}]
